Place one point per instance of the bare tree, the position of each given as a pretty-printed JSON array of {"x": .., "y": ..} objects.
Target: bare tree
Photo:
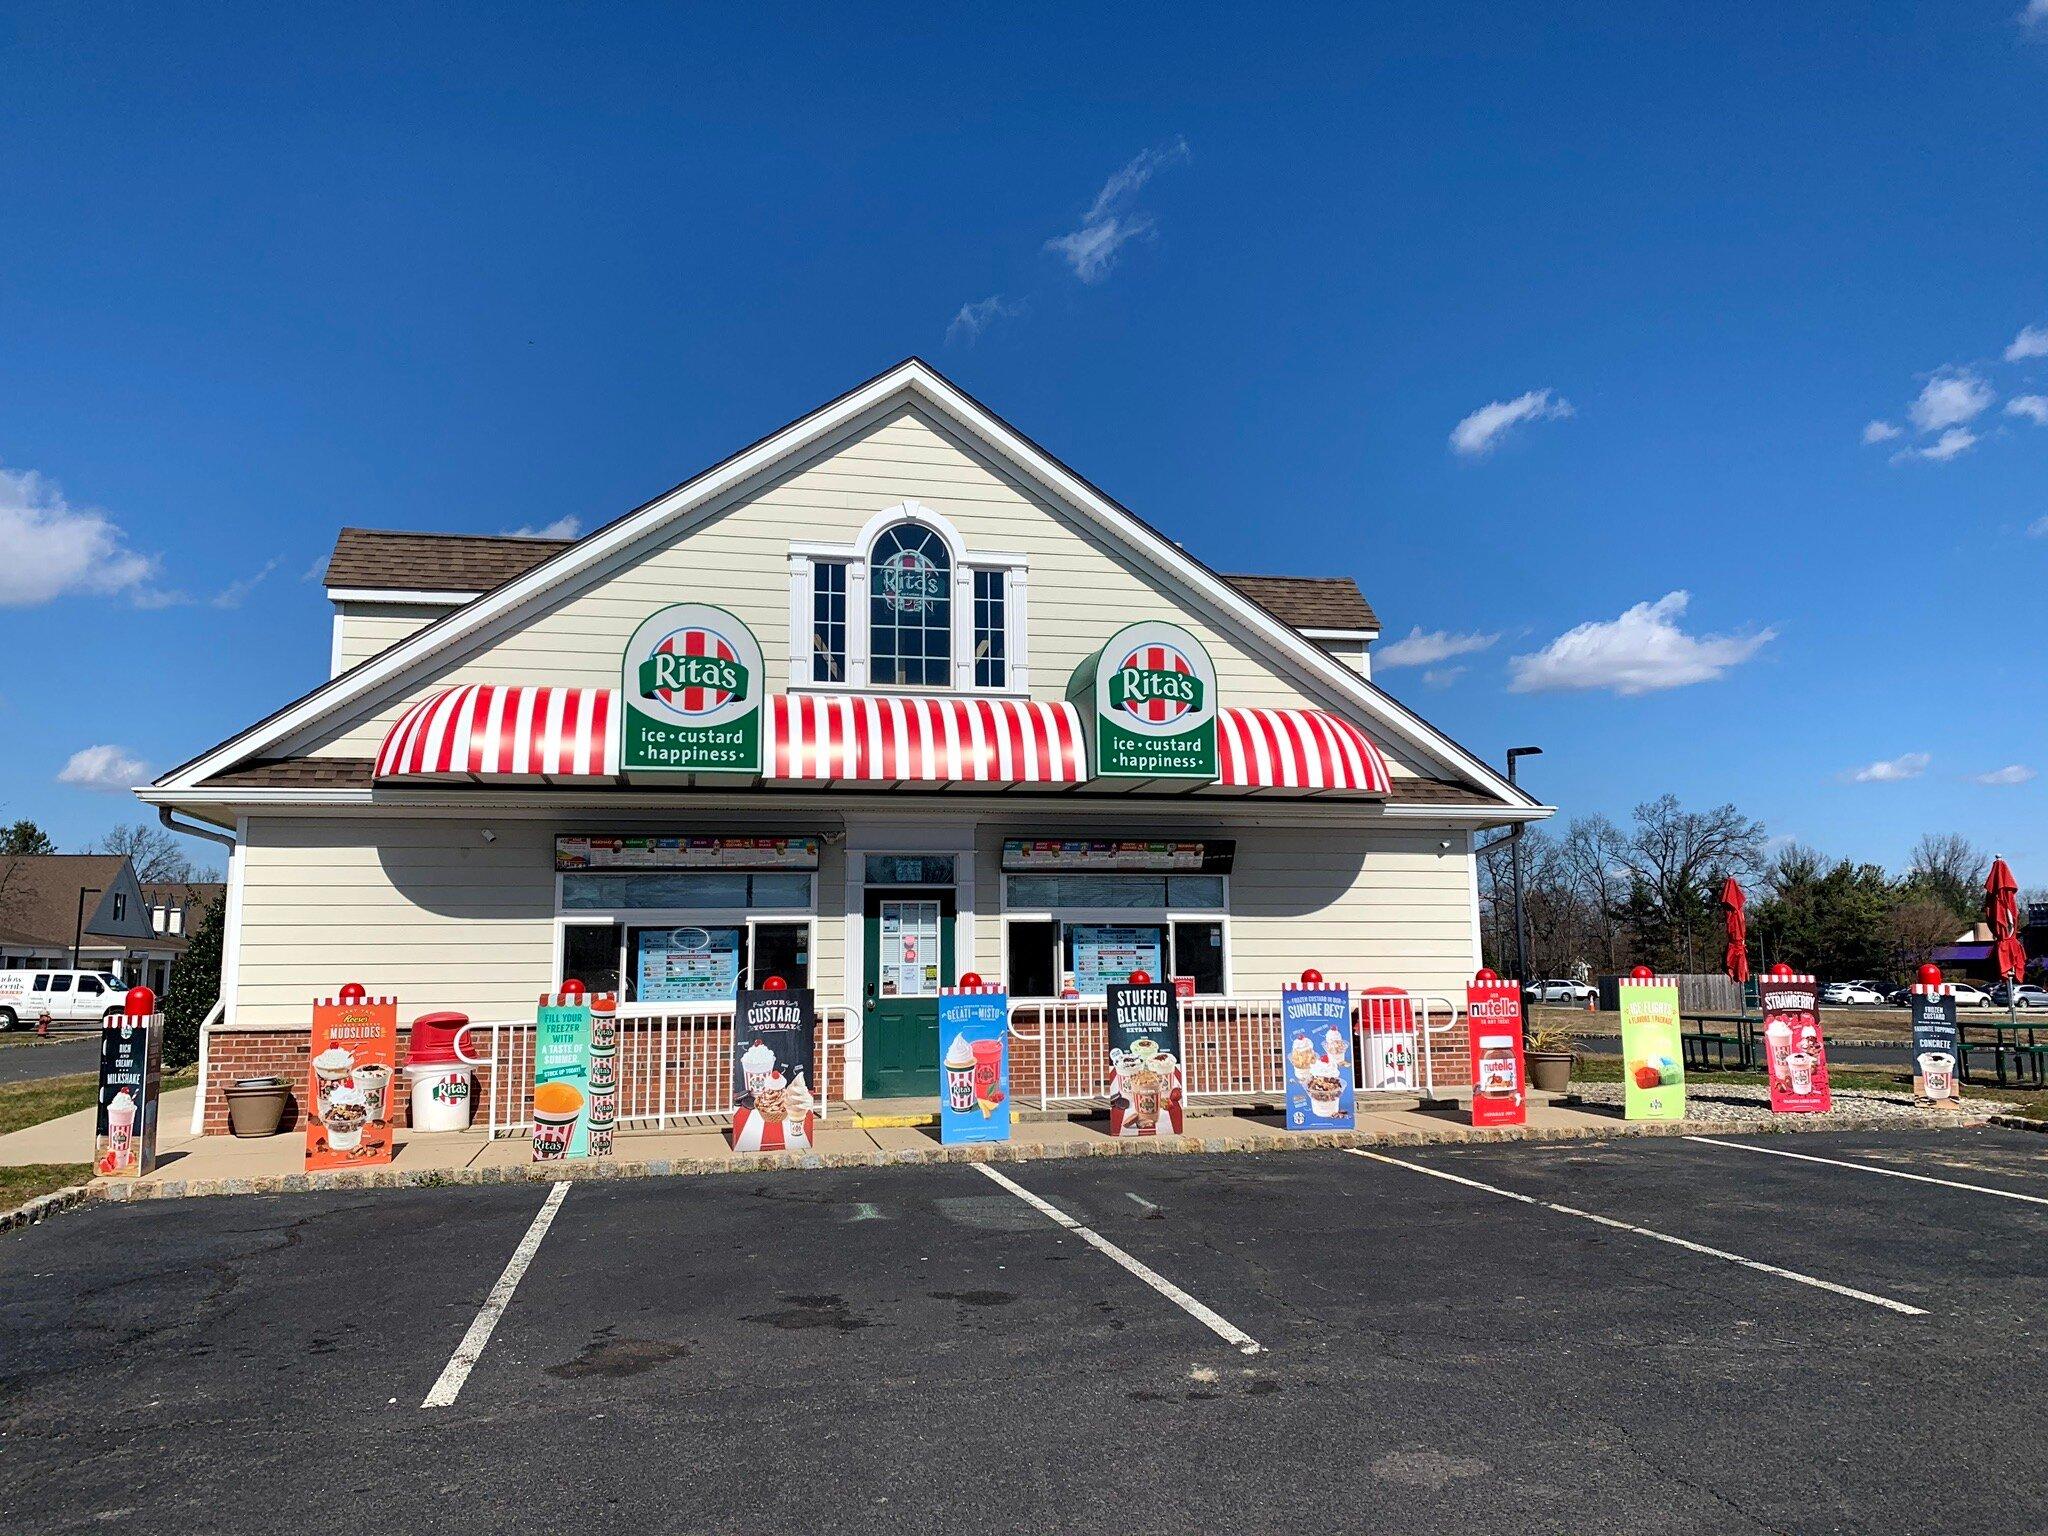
[
  {"x": 1915, "y": 928},
  {"x": 156, "y": 854},
  {"x": 1950, "y": 868}
]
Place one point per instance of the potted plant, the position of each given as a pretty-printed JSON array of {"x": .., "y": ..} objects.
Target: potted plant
[
  {"x": 1547, "y": 1047},
  {"x": 256, "y": 1105}
]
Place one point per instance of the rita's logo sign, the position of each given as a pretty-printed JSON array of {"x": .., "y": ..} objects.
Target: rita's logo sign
[
  {"x": 1156, "y": 684},
  {"x": 693, "y": 672},
  {"x": 691, "y": 686},
  {"x": 1151, "y": 700}
]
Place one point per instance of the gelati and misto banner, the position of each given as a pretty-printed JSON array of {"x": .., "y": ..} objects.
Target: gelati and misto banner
[
  {"x": 351, "y": 1081},
  {"x": 1493, "y": 1017},
  {"x": 1795, "y": 1056},
  {"x": 561, "y": 1078},
  {"x": 1652, "y": 1060},
  {"x": 1322, "y": 1083},
  {"x": 1936, "y": 1046},
  {"x": 131, "y": 1082},
  {"x": 1147, "y": 1084},
  {"x": 974, "y": 1068},
  {"x": 773, "y": 1069}
]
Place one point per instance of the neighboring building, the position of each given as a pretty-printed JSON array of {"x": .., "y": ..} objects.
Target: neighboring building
[
  {"x": 85, "y": 911},
  {"x": 1971, "y": 956},
  {"x": 178, "y": 907},
  {"x": 908, "y": 611}
]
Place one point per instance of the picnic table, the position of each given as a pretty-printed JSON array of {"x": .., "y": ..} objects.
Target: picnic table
[
  {"x": 2010, "y": 1037},
  {"x": 1701, "y": 1033}
]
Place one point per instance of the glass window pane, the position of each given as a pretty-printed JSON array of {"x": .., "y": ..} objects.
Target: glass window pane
[
  {"x": 1203, "y": 891},
  {"x": 1099, "y": 953},
  {"x": 602, "y": 892},
  {"x": 782, "y": 890},
  {"x": 1198, "y": 952},
  {"x": 910, "y": 869},
  {"x": 782, "y": 949},
  {"x": 1055, "y": 892},
  {"x": 590, "y": 953},
  {"x": 828, "y": 622},
  {"x": 1034, "y": 960},
  {"x": 684, "y": 965},
  {"x": 910, "y": 609},
  {"x": 989, "y": 631}
]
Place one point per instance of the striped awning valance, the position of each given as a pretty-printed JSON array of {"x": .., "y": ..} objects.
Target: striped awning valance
[
  {"x": 1306, "y": 749},
  {"x": 489, "y": 730},
  {"x": 923, "y": 740}
]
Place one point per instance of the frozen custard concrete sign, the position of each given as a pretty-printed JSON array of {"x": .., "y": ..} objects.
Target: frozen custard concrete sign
[
  {"x": 1151, "y": 694},
  {"x": 692, "y": 690}
]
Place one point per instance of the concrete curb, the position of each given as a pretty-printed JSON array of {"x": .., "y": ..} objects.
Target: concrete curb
[
  {"x": 47, "y": 1205},
  {"x": 1002, "y": 1152},
  {"x": 2019, "y": 1123}
]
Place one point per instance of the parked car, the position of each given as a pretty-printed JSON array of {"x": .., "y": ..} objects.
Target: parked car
[
  {"x": 1559, "y": 991},
  {"x": 1846, "y": 994},
  {"x": 2023, "y": 995},
  {"x": 1969, "y": 995},
  {"x": 68, "y": 997}
]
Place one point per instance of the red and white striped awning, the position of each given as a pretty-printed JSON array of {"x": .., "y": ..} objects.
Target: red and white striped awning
[
  {"x": 922, "y": 740},
  {"x": 488, "y": 730},
  {"x": 1296, "y": 749}
]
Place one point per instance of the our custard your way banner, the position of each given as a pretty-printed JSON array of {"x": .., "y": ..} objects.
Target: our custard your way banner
[
  {"x": 1794, "y": 1052},
  {"x": 774, "y": 1070},
  {"x": 1653, "y": 1061}
]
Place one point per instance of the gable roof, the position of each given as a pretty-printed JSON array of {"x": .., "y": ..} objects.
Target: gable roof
[
  {"x": 40, "y": 894},
  {"x": 912, "y": 381}
]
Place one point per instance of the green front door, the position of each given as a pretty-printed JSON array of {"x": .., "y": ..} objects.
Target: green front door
[{"x": 909, "y": 957}]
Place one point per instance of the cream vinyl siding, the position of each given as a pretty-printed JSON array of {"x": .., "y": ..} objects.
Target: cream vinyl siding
[
  {"x": 368, "y": 628},
  {"x": 1079, "y": 591},
  {"x": 424, "y": 910}
]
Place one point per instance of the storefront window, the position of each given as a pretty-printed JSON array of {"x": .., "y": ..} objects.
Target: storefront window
[
  {"x": 1100, "y": 953},
  {"x": 828, "y": 622},
  {"x": 685, "y": 892},
  {"x": 1079, "y": 932},
  {"x": 685, "y": 965},
  {"x": 910, "y": 610}
]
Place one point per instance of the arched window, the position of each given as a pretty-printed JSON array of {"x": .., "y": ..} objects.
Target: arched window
[{"x": 910, "y": 609}]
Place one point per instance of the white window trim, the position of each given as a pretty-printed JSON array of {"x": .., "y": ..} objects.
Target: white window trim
[
  {"x": 1164, "y": 917},
  {"x": 685, "y": 917},
  {"x": 805, "y": 556}
]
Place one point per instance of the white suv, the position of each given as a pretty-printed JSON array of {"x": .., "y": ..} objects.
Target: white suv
[{"x": 68, "y": 997}]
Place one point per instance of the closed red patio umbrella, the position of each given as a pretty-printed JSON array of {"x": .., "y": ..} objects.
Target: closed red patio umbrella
[
  {"x": 1736, "y": 961},
  {"x": 2002, "y": 913}
]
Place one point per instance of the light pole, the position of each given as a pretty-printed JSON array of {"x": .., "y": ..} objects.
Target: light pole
[
  {"x": 1515, "y": 754},
  {"x": 78, "y": 926}
]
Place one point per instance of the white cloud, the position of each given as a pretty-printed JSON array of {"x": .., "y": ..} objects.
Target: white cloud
[
  {"x": 2035, "y": 14},
  {"x": 2011, "y": 773},
  {"x": 1417, "y": 649},
  {"x": 1641, "y": 652},
  {"x": 1952, "y": 442},
  {"x": 1441, "y": 677},
  {"x": 1893, "y": 770},
  {"x": 2033, "y": 407},
  {"x": 111, "y": 770},
  {"x": 972, "y": 319},
  {"x": 2032, "y": 340},
  {"x": 1481, "y": 431},
  {"x": 1110, "y": 222},
  {"x": 1879, "y": 432},
  {"x": 233, "y": 594},
  {"x": 2038, "y": 528},
  {"x": 51, "y": 549},
  {"x": 1949, "y": 398},
  {"x": 560, "y": 528}
]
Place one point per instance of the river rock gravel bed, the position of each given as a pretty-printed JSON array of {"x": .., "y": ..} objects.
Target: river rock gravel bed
[{"x": 1747, "y": 1104}]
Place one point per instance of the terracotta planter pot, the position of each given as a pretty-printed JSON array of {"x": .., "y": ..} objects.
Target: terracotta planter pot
[
  {"x": 256, "y": 1111},
  {"x": 1550, "y": 1071}
]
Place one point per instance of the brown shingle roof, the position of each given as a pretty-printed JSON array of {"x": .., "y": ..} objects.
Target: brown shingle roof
[
  {"x": 40, "y": 893},
  {"x": 1310, "y": 602}
]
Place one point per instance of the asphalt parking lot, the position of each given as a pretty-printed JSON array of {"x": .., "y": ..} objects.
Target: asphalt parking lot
[{"x": 1690, "y": 1336}]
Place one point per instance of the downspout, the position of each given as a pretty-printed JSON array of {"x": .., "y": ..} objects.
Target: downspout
[{"x": 227, "y": 841}]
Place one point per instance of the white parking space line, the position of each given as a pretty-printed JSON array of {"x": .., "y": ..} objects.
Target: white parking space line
[
  {"x": 1890, "y": 1173},
  {"x": 1662, "y": 1237},
  {"x": 467, "y": 1353},
  {"x": 1229, "y": 1332}
]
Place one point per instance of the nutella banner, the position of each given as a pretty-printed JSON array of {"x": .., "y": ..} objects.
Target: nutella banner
[
  {"x": 1322, "y": 1083},
  {"x": 1653, "y": 1061},
  {"x": 1493, "y": 1020},
  {"x": 1146, "y": 1085},
  {"x": 1936, "y": 1046},
  {"x": 974, "y": 1072},
  {"x": 561, "y": 1077},
  {"x": 772, "y": 1070},
  {"x": 131, "y": 1082},
  {"x": 1794, "y": 1053},
  {"x": 351, "y": 1081}
]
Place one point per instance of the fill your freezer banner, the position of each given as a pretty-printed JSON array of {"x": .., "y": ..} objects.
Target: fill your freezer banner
[
  {"x": 974, "y": 1070},
  {"x": 1147, "y": 1085},
  {"x": 561, "y": 1079},
  {"x": 1653, "y": 1061},
  {"x": 352, "y": 1081},
  {"x": 1315, "y": 1024},
  {"x": 1935, "y": 1046},
  {"x": 1794, "y": 1053}
]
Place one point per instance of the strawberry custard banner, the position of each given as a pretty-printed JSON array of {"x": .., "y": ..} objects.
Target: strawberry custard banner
[
  {"x": 351, "y": 1081},
  {"x": 561, "y": 1077},
  {"x": 1794, "y": 1053},
  {"x": 1653, "y": 1061},
  {"x": 1493, "y": 1014}
]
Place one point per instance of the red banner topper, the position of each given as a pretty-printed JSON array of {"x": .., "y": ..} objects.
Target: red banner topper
[
  {"x": 352, "y": 1086},
  {"x": 1493, "y": 1018}
]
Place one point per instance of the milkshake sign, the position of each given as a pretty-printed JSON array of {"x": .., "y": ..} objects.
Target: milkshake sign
[
  {"x": 1794, "y": 1053},
  {"x": 1151, "y": 696},
  {"x": 131, "y": 1082},
  {"x": 692, "y": 693}
]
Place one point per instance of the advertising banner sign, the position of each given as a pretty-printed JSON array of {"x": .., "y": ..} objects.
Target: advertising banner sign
[
  {"x": 773, "y": 1067},
  {"x": 1937, "y": 1047},
  {"x": 1147, "y": 1084},
  {"x": 131, "y": 1082},
  {"x": 974, "y": 1072},
  {"x": 561, "y": 1078},
  {"x": 1150, "y": 698},
  {"x": 352, "y": 1081},
  {"x": 1322, "y": 1083},
  {"x": 691, "y": 687},
  {"x": 601, "y": 1120},
  {"x": 1794, "y": 1053},
  {"x": 1493, "y": 1015},
  {"x": 1652, "y": 1060},
  {"x": 578, "y": 852}
]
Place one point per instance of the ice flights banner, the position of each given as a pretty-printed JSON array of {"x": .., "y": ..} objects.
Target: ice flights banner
[{"x": 1653, "y": 1061}]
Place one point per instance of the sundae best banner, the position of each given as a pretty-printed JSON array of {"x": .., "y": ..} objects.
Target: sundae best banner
[
  {"x": 974, "y": 1073},
  {"x": 131, "y": 1082},
  {"x": 561, "y": 1077},
  {"x": 1493, "y": 1013},
  {"x": 1794, "y": 1053},
  {"x": 1936, "y": 1045},
  {"x": 1652, "y": 1059},
  {"x": 1146, "y": 1082},
  {"x": 349, "y": 1080},
  {"x": 772, "y": 1067},
  {"x": 1315, "y": 1023}
]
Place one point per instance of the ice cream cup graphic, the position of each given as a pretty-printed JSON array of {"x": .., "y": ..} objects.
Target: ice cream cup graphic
[
  {"x": 331, "y": 1068},
  {"x": 121, "y": 1129},
  {"x": 756, "y": 1062},
  {"x": 555, "y": 1108},
  {"x": 1325, "y": 1094},
  {"x": 346, "y": 1114},
  {"x": 960, "y": 1075},
  {"x": 1938, "y": 1074},
  {"x": 373, "y": 1081},
  {"x": 1800, "y": 1065},
  {"x": 1301, "y": 1056}
]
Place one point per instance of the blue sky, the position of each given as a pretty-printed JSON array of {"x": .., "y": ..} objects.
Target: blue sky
[{"x": 1528, "y": 320}]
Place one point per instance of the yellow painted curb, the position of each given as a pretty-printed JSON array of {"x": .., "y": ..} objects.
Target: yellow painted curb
[{"x": 893, "y": 1122}]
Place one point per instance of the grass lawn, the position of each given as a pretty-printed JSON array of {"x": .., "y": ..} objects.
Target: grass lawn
[
  {"x": 20, "y": 1185},
  {"x": 45, "y": 1098}
]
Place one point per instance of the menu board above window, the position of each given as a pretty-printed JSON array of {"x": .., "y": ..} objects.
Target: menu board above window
[
  {"x": 1083, "y": 854},
  {"x": 574, "y": 853}
]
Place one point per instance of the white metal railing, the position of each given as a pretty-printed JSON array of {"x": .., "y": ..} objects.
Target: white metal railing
[
  {"x": 1232, "y": 1047},
  {"x": 213, "y": 1017},
  {"x": 675, "y": 1064}
]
